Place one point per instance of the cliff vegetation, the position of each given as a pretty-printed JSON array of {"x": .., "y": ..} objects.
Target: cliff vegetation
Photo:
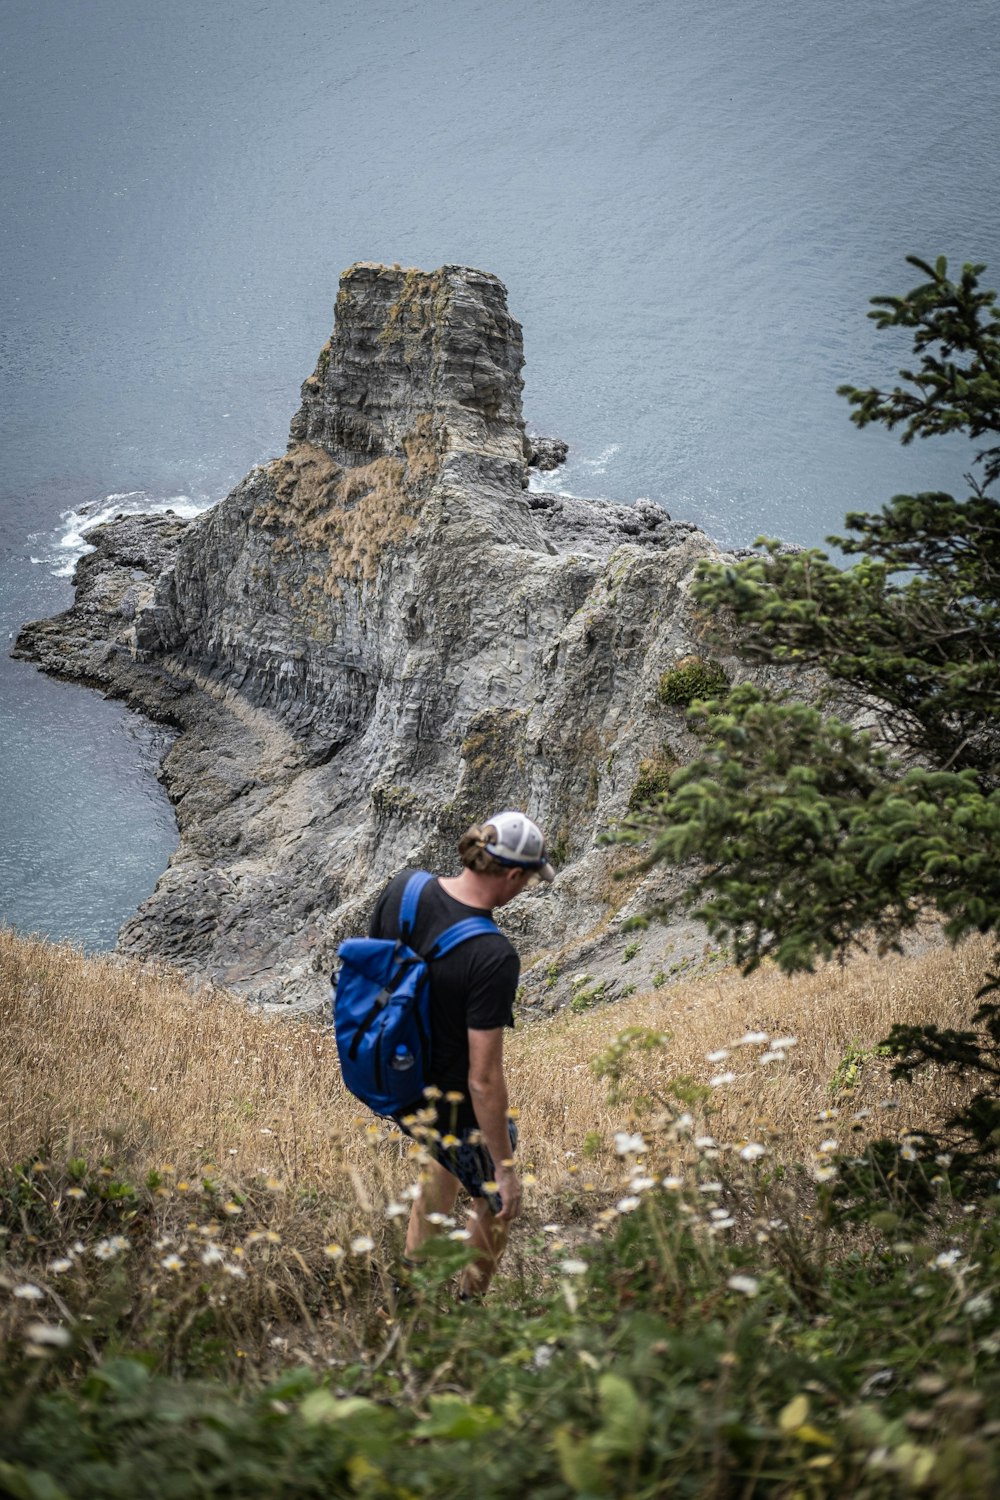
[{"x": 201, "y": 1290}]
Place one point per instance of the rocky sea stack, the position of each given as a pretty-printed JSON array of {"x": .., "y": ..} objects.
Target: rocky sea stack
[{"x": 382, "y": 636}]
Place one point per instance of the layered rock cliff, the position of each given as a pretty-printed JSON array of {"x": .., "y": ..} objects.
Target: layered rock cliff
[{"x": 380, "y": 637}]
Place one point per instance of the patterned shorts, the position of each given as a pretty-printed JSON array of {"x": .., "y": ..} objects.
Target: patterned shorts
[{"x": 464, "y": 1155}]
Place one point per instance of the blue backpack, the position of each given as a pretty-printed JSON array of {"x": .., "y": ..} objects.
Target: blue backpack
[{"x": 381, "y": 1007}]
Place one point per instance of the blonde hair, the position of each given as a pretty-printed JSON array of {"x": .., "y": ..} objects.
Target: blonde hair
[{"x": 473, "y": 853}]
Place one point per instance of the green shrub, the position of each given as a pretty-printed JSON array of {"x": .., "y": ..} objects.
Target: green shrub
[
  {"x": 693, "y": 677},
  {"x": 653, "y": 780},
  {"x": 663, "y": 1357}
]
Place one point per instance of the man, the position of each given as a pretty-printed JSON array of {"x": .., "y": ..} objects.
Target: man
[{"x": 464, "y": 1125}]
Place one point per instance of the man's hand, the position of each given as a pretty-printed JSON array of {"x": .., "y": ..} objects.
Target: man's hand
[{"x": 509, "y": 1185}]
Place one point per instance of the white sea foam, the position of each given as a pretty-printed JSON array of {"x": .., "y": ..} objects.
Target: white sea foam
[
  {"x": 600, "y": 463},
  {"x": 578, "y": 472},
  {"x": 574, "y": 479},
  {"x": 540, "y": 483},
  {"x": 63, "y": 547}
]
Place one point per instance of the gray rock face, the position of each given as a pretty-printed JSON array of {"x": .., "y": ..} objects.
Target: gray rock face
[
  {"x": 547, "y": 453},
  {"x": 381, "y": 637}
]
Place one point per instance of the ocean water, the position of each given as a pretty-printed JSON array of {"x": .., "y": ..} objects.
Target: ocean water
[{"x": 690, "y": 206}]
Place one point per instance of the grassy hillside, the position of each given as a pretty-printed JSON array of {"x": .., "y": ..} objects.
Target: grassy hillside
[{"x": 189, "y": 1195}]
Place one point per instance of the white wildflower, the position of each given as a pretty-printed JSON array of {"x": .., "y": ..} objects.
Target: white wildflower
[
  {"x": 235, "y": 1271},
  {"x": 673, "y": 1184},
  {"x": 29, "y": 1292},
  {"x": 573, "y": 1267},
  {"x": 726, "y": 1222},
  {"x": 684, "y": 1121},
  {"x": 720, "y": 1079},
  {"x": 748, "y": 1285},
  {"x": 395, "y": 1210},
  {"x": 172, "y": 1263},
  {"x": 753, "y": 1151},
  {"x": 58, "y": 1266},
  {"x": 212, "y": 1255},
  {"x": 459, "y": 1234},
  {"x": 629, "y": 1145},
  {"x": 751, "y": 1039},
  {"x": 704, "y": 1142},
  {"x": 825, "y": 1147},
  {"x": 770, "y": 1057},
  {"x": 710, "y": 1187},
  {"x": 824, "y": 1172},
  {"x": 641, "y": 1184},
  {"x": 785, "y": 1041},
  {"x": 51, "y": 1334},
  {"x": 947, "y": 1258},
  {"x": 717, "y": 1057},
  {"x": 626, "y": 1205},
  {"x": 363, "y": 1244},
  {"x": 979, "y": 1306}
]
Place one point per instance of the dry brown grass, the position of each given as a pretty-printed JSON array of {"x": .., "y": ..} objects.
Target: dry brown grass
[
  {"x": 353, "y": 514},
  {"x": 831, "y": 1012},
  {"x": 100, "y": 1057},
  {"x": 263, "y": 1164}
]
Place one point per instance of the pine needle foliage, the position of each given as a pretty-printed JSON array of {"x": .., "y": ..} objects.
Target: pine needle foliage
[{"x": 809, "y": 827}]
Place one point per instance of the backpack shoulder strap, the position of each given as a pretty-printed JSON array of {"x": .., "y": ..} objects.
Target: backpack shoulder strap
[
  {"x": 469, "y": 927},
  {"x": 410, "y": 901}
]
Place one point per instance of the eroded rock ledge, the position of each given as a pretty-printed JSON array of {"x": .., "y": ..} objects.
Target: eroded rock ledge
[{"x": 380, "y": 637}]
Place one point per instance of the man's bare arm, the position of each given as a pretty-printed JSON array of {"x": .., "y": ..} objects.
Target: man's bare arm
[{"x": 488, "y": 1089}]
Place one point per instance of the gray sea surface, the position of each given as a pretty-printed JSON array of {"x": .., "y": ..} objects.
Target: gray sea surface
[{"x": 690, "y": 205}]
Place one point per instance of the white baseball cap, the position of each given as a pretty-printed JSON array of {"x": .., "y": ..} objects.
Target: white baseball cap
[{"x": 519, "y": 842}]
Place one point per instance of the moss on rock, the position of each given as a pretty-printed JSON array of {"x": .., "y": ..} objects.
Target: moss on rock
[
  {"x": 693, "y": 677},
  {"x": 653, "y": 780}
]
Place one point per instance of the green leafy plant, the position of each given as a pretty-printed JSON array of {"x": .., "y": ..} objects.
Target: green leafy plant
[{"x": 848, "y": 1073}]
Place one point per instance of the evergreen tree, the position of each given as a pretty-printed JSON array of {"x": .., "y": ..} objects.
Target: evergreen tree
[{"x": 846, "y": 811}]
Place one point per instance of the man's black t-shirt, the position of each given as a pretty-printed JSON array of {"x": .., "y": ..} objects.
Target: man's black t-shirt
[{"x": 472, "y": 986}]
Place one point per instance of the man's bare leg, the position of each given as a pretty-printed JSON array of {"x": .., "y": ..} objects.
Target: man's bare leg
[
  {"x": 489, "y": 1239},
  {"x": 438, "y": 1191}
]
